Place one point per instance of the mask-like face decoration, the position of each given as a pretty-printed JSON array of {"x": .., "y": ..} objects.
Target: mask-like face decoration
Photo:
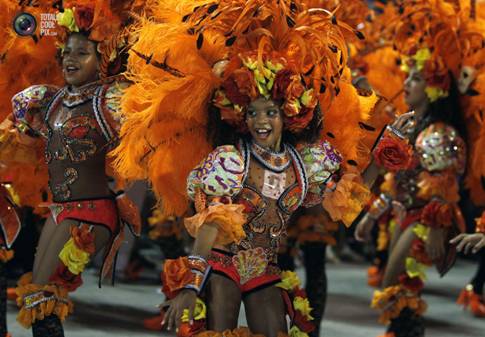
[
  {"x": 414, "y": 89},
  {"x": 467, "y": 76},
  {"x": 80, "y": 63},
  {"x": 265, "y": 123}
]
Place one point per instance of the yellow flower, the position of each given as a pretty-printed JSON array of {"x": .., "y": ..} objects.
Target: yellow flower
[
  {"x": 199, "y": 313},
  {"x": 289, "y": 280},
  {"x": 74, "y": 258},
  {"x": 435, "y": 93},
  {"x": 421, "y": 231},
  {"x": 415, "y": 269},
  {"x": 274, "y": 67},
  {"x": 303, "y": 305},
  {"x": 66, "y": 19},
  {"x": 307, "y": 97},
  {"x": 421, "y": 57},
  {"x": 296, "y": 332}
]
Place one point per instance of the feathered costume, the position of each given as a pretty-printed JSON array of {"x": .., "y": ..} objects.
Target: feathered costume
[
  {"x": 431, "y": 37},
  {"x": 70, "y": 147},
  {"x": 191, "y": 55}
]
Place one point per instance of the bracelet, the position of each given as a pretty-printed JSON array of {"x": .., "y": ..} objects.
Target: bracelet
[
  {"x": 395, "y": 131},
  {"x": 200, "y": 269},
  {"x": 380, "y": 206}
]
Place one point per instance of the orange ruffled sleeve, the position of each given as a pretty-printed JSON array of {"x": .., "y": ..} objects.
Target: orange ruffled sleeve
[
  {"x": 212, "y": 184},
  {"x": 348, "y": 199},
  {"x": 229, "y": 220}
]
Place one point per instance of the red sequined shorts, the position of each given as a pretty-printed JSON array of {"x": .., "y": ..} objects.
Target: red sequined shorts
[{"x": 249, "y": 269}]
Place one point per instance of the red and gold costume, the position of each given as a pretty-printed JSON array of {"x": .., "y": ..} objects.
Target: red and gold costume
[
  {"x": 427, "y": 35},
  {"x": 230, "y": 53},
  {"x": 75, "y": 128}
]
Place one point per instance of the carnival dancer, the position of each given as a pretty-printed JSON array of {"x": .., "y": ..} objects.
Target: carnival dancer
[
  {"x": 424, "y": 197},
  {"x": 471, "y": 83},
  {"x": 256, "y": 76},
  {"x": 76, "y": 125}
]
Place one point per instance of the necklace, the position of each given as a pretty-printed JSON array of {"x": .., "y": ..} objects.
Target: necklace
[
  {"x": 73, "y": 97},
  {"x": 274, "y": 161}
]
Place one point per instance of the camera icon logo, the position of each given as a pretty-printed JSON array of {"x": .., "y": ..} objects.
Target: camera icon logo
[{"x": 24, "y": 24}]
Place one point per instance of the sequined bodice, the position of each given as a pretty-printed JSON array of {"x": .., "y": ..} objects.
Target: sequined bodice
[
  {"x": 267, "y": 215},
  {"x": 75, "y": 152}
]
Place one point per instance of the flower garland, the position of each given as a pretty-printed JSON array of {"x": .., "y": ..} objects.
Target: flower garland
[{"x": 299, "y": 308}]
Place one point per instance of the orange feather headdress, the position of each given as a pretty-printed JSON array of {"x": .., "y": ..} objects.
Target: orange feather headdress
[
  {"x": 426, "y": 36},
  {"x": 191, "y": 54}
]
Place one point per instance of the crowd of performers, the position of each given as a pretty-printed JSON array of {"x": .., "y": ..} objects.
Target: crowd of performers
[{"x": 262, "y": 127}]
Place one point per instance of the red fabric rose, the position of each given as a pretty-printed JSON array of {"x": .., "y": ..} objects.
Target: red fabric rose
[
  {"x": 418, "y": 252},
  {"x": 281, "y": 83},
  {"x": 414, "y": 284},
  {"x": 84, "y": 15},
  {"x": 234, "y": 94},
  {"x": 83, "y": 238},
  {"x": 393, "y": 154},
  {"x": 298, "y": 123},
  {"x": 436, "y": 74},
  {"x": 62, "y": 277},
  {"x": 302, "y": 323},
  {"x": 175, "y": 276},
  {"x": 187, "y": 330}
]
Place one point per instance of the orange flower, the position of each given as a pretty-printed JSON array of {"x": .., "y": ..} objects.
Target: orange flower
[
  {"x": 83, "y": 238},
  {"x": 187, "y": 330},
  {"x": 244, "y": 79},
  {"x": 393, "y": 154},
  {"x": 175, "y": 276},
  {"x": 295, "y": 89}
]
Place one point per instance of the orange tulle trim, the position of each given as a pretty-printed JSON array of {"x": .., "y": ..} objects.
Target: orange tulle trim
[
  {"x": 228, "y": 218},
  {"x": 347, "y": 201},
  {"x": 49, "y": 300},
  {"x": 443, "y": 186},
  {"x": 239, "y": 332},
  {"x": 6, "y": 255},
  {"x": 392, "y": 300}
]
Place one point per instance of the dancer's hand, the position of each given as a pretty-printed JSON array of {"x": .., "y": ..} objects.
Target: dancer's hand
[
  {"x": 405, "y": 123},
  {"x": 465, "y": 242},
  {"x": 186, "y": 299},
  {"x": 364, "y": 228},
  {"x": 435, "y": 246}
]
